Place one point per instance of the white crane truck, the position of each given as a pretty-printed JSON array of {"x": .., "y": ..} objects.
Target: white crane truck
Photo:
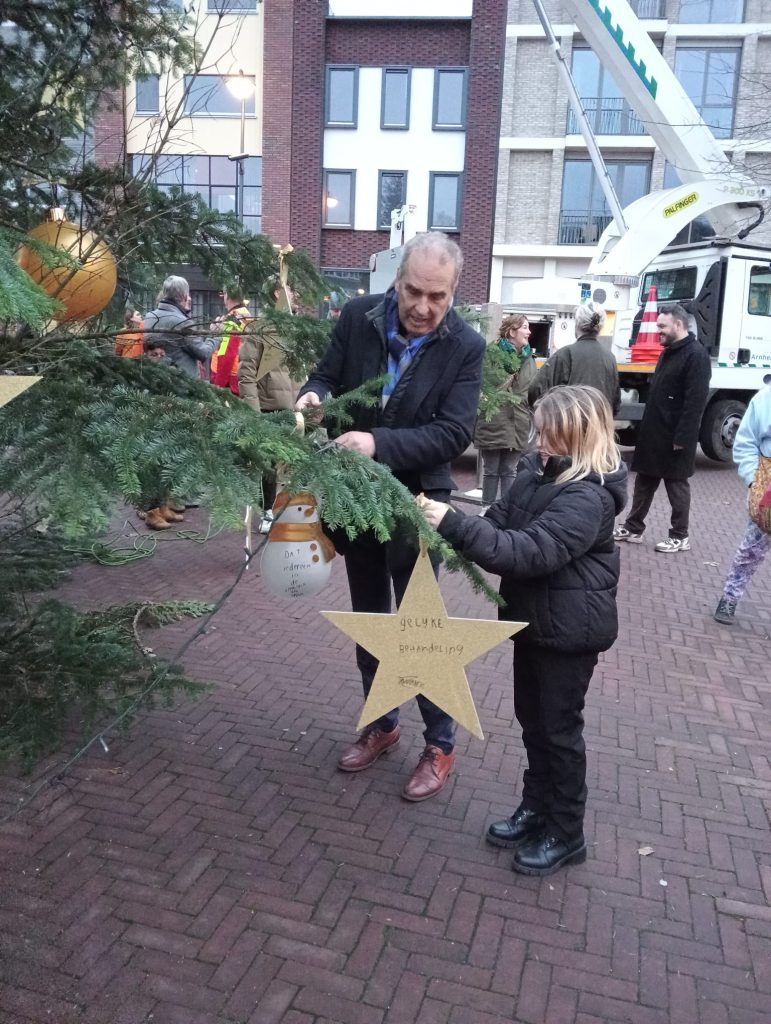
[{"x": 724, "y": 282}]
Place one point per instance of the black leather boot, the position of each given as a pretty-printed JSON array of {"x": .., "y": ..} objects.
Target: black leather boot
[
  {"x": 547, "y": 854},
  {"x": 523, "y": 824}
]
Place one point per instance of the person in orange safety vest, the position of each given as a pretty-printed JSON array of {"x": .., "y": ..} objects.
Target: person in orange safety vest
[
  {"x": 130, "y": 344},
  {"x": 224, "y": 361}
]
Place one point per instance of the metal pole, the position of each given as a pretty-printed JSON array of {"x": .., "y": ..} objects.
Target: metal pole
[
  {"x": 240, "y": 183},
  {"x": 586, "y": 130}
]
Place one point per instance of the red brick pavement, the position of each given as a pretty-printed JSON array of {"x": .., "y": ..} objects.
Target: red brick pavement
[{"x": 215, "y": 868}]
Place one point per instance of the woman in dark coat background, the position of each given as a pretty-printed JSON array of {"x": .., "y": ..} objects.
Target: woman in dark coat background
[
  {"x": 551, "y": 541},
  {"x": 504, "y": 438}
]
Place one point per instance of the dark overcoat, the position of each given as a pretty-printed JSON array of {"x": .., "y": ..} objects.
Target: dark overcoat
[
  {"x": 676, "y": 399},
  {"x": 552, "y": 544},
  {"x": 429, "y": 418},
  {"x": 511, "y": 426}
]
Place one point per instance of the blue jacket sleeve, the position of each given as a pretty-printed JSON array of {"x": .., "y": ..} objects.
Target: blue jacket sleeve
[
  {"x": 565, "y": 530},
  {"x": 746, "y": 450}
]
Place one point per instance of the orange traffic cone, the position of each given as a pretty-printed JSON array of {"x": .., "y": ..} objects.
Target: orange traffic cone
[{"x": 647, "y": 348}]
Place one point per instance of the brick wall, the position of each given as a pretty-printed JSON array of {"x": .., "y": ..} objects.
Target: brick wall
[
  {"x": 110, "y": 129},
  {"x": 276, "y": 119},
  {"x": 373, "y": 43},
  {"x": 351, "y": 249},
  {"x": 293, "y": 122},
  {"x": 486, "y": 60}
]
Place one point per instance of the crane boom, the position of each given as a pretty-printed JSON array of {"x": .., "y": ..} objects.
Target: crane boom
[{"x": 650, "y": 87}]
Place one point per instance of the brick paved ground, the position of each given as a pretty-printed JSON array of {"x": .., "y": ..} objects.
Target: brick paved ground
[{"x": 215, "y": 868}]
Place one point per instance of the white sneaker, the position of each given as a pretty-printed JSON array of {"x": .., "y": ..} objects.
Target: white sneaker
[
  {"x": 672, "y": 544},
  {"x": 266, "y": 522},
  {"x": 621, "y": 533}
]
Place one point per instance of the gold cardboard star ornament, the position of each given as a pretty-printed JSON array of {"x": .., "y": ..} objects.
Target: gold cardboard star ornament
[
  {"x": 12, "y": 387},
  {"x": 422, "y": 650}
]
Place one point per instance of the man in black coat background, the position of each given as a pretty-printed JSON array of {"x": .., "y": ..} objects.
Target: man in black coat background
[
  {"x": 424, "y": 420},
  {"x": 669, "y": 432}
]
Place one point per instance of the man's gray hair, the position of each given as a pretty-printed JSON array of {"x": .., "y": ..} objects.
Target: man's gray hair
[
  {"x": 677, "y": 312},
  {"x": 437, "y": 244},
  {"x": 174, "y": 289},
  {"x": 589, "y": 318}
]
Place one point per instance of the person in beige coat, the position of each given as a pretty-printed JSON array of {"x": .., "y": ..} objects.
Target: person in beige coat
[
  {"x": 274, "y": 390},
  {"x": 503, "y": 439}
]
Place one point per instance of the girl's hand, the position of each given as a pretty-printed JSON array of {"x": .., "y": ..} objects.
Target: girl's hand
[{"x": 434, "y": 511}]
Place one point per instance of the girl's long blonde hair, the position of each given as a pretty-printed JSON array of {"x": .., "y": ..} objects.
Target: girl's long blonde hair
[{"x": 577, "y": 420}]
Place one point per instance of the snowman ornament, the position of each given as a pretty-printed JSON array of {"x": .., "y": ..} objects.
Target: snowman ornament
[{"x": 297, "y": 558}]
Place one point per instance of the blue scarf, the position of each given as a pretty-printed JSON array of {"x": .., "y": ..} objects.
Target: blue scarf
[{"x": 400, "y": 352}]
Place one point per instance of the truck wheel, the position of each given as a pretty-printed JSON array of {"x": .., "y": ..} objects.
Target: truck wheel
[{"x": 718, "y": 428}]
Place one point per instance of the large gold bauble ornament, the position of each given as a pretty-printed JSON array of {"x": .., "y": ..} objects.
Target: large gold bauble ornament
[{"x": 89, "y": 288}]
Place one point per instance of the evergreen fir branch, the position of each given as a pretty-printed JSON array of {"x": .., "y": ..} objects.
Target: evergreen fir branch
[
  {"x": 497, "y": 367},
  {"x": 65, "y": 661},
  {"x": 21, "y": 299}
]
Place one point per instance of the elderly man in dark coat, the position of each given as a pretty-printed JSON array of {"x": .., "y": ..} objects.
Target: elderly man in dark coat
[
  {"x": 669, "y": 432},
  {"x": 424, "y": 420}
]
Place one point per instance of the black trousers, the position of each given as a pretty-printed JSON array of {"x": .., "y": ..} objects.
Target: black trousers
[
  {"x": 679, "y": 494},
  {"x": 549, "y": 692},
  {"x": 372, "y": 567}
]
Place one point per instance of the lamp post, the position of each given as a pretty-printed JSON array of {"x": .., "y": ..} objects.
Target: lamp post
[{"x": 242, "y": 88}]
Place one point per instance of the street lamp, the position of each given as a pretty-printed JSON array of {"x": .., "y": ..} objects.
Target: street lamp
[{"x": 242, "y": 88}]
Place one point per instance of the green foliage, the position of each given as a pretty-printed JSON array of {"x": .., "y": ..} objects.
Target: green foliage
[
  {"x": 97, "y": 429},
  {"x": 59, "y": 662},
  {"x": 21, "y": 300},
  {"x": 497, "y": 367}
]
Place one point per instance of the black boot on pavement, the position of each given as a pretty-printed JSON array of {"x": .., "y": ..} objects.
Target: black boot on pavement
[
  {"x": 523, "y": 824},
  {"x": 547, "y": 854}
]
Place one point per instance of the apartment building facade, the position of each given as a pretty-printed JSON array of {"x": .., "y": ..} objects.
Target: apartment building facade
[
  {"x": 551, "y": 210},
  {"x": 371, "y": 106}
]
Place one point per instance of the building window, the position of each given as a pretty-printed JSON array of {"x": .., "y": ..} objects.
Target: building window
[
  {"x": 705, "y": 12},
  {"x": 709, "y": 75},
  {"x": 209, "y": 94},
  {"x": 395, "y": 102},
  {"x": 584, "y": 214},
  {"x": 444, "y": 194},
  {"x": 649, "y": 8},
  {"x": 342, "y": 96},
  {"x": 391, "y": 195},
  {"x": 450, "y": 98},
  {"x": 698, "y": 229},
  {"x": 214, "y": 178},
  {"x": 223, "y": 6},
  {"x": 148, "y": 94},
  {"x": 339, "y": 191},
  {"x": 607, "y": 110}
]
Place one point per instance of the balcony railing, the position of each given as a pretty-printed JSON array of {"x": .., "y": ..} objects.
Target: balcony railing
[
  {"x": 649, "y": 8},
  {"x": 608, "y": 115},
  {"x": 577, "y": 227}
]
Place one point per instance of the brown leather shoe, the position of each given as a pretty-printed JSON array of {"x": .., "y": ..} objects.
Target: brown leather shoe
[
  {"x": 430, "y": 775},
  {"x": 367, "y": 749},
  {"x": 154, "y": 520},
  {"x": 170, "y": 515}
]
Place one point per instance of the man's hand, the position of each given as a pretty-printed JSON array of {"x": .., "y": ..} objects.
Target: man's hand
[
  {"x": 309, "y": 405},
  {"x": 357, "y": 441},
  {"x": 433, "y": 511}
]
